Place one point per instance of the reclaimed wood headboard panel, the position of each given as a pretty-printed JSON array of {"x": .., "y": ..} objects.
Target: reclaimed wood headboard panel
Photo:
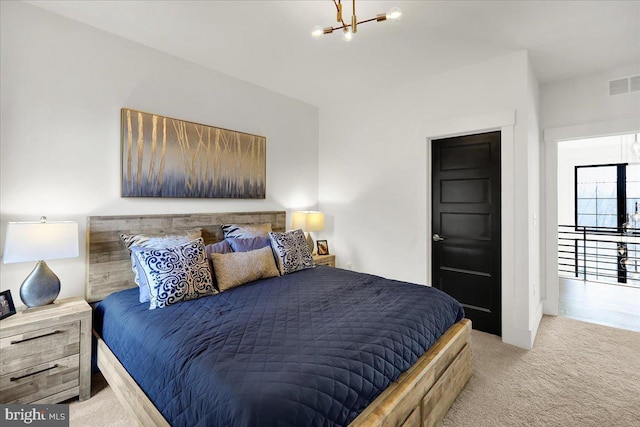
[{"x": 109, "y": 263}]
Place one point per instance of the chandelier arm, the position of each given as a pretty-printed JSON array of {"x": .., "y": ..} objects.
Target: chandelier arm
[
  {"x": 361, "y": 22},
  {"x": 367, "y": 20},
  {"x": 338, "y": 5},
  {"x": 340, "y": 28},
  {"x": 354, "y": 24}
]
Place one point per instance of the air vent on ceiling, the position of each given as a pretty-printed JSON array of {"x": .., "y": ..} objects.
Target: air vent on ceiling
[
  {"x": 634, "y": 84},
  {"x": 616, "y": 87}
]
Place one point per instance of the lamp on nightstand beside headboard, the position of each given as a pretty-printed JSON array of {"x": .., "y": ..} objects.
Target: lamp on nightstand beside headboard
[
  {"x": 39, "y": 241},
  {"x": 308, "y": 221}
]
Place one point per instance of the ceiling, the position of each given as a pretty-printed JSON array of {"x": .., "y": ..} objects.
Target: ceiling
[{"x": 268, "y": 43}]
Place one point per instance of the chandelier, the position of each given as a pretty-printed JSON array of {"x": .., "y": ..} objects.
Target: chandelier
[{"x": 348, "y": 30}]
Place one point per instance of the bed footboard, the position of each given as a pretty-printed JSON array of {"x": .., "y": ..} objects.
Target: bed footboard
[
  {"x": 423, "y": 395},
  {"x": 129, "y": 394},
  {"x": 420, "y": 397}
]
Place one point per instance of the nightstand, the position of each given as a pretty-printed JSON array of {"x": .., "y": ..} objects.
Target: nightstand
[
  {"x": 329, "y": 260},
  {"x": 45, "y": 353}
]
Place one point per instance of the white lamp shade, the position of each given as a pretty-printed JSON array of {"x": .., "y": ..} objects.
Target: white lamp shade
[
  {"x": 307, "y": 220},
  {"x": 36, "y": 241}
]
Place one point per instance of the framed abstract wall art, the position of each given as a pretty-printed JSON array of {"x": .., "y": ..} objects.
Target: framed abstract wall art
[{"x": 165, "y": 157}]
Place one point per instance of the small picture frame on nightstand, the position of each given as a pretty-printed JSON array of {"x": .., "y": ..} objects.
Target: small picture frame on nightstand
[
  {"x": 323, "y": 247},
  {"x": 6, "y": 304}
]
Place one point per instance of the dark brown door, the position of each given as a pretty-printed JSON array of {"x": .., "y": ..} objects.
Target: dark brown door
[{"x": 466, "y": 225}]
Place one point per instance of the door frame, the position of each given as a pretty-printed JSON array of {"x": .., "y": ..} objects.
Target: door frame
[
  {"x": 551, "y": 288},
  {"x": 505, "y": 123}
]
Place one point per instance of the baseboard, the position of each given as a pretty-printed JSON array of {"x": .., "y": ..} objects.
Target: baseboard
[
  {"x": 535, "y": 322},
  {"x": 523, "y": 338}
]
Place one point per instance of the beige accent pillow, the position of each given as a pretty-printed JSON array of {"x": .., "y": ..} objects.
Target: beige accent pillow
[{"x": 238, "y": 268}]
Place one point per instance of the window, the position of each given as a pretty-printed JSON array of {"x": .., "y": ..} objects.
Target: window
[
  {"x": 598, "y": 194},
  {"x": 606, "y": 204},
  {"x": 608, "y": 196}
]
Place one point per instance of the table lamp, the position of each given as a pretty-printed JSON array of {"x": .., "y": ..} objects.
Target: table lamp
[
  {"x": 37, "y": 241},
  {"x": 308, "y": 221}
]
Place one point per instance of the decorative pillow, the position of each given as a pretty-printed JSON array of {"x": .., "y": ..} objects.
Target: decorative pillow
[
  {"x": 175, "y": 274},
  {"x": 246, "y": 230},
  {"x": 222, "y": 247},
  {"x": 167, "y": 238},
  {"x": 218, "y": 248},
  {"x": 248, "y": 244},
  {"x": 238, "y": 268},
  {"x": 291, "y": 251},
  {"x": 156, "y": 241}
]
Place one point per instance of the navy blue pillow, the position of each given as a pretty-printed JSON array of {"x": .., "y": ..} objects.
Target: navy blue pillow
[{"x": 239, "y": 244}]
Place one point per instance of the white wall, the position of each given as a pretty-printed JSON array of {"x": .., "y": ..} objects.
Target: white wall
[
  {"x": 577, "y": 108},
  {"x": 586, "y": 99},
  {"x": 534, "y": 206},
  {"x": 374, "y": 173},
  {"x": 63, "y": 85}
]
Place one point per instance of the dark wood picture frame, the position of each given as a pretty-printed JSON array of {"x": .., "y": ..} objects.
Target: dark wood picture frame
[
  {"x": 6, "y": 304},
  {"x": 323, "y": 247}
]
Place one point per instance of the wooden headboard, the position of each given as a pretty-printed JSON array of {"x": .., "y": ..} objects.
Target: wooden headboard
[{"x": 109, "y": 262}]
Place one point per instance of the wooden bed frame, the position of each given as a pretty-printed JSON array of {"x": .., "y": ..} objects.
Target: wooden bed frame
[{"x": 420, "y": 397}]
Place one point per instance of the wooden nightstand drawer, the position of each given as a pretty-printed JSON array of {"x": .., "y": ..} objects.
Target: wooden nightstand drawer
[
  {"x": 36, "y": 382},
  {"x": 328, "y": 260},
  {"x": 47, "y": 352},
  {"x": 39, "y": 346}
]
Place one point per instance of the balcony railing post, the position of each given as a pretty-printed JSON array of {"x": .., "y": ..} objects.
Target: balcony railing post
[
  {"x": 584, "y": 253},
  {"x": 576, "y": 251}
]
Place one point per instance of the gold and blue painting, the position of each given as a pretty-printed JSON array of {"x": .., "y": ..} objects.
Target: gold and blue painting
[{"x": 165, "y": 157}]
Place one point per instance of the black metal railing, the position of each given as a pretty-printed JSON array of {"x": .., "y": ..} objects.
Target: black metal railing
[{"x": 603, "y": 254}]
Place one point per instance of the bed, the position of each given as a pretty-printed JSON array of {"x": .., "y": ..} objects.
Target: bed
[{"x": 413, "y": 390}]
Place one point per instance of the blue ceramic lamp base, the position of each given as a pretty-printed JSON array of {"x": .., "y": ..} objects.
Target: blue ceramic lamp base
[{"x": 41, "y": 287}]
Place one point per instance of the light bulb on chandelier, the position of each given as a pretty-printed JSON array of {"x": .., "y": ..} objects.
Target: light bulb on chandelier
[
  {"x": 394, "y": 14},
  {"x": 635, "y": 149},
  {"x": 317, "y": 31},
  {"x": 349, "y": 30},
  {"x": 347, "y": 35}
]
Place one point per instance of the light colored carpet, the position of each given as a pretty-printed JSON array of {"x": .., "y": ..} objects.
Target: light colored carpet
[
  {"x": 578, "y": 374},
  {"x": 102, "y": 410}
]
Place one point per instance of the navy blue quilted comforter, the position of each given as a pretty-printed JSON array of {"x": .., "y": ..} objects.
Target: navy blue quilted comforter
[{"x": 310, "y": 348}]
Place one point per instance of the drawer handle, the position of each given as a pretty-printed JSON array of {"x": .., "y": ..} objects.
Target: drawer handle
[
  {"x": 33, "y": 373},
  {"x": 35, "y": 338}
]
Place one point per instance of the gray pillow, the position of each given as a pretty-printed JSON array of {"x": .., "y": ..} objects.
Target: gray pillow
[
  {"x": 291, "y": 251},
  {"x": 238, "y": 268},
  {"x": 246, "y": 230},
  {"x": 239, "y": 244},
  {"x": 222, "y": 247},
  {"x": 170, "y": 238}
]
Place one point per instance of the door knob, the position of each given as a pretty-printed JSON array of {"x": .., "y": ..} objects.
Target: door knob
[{"x": 437, "y": 238}]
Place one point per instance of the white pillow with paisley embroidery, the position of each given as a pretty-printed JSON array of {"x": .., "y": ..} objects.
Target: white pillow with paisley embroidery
[
  {"x": 291, "y": 251},
  {"x": 157, "y": 240},
  {"x": 177, "y": 273}
]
